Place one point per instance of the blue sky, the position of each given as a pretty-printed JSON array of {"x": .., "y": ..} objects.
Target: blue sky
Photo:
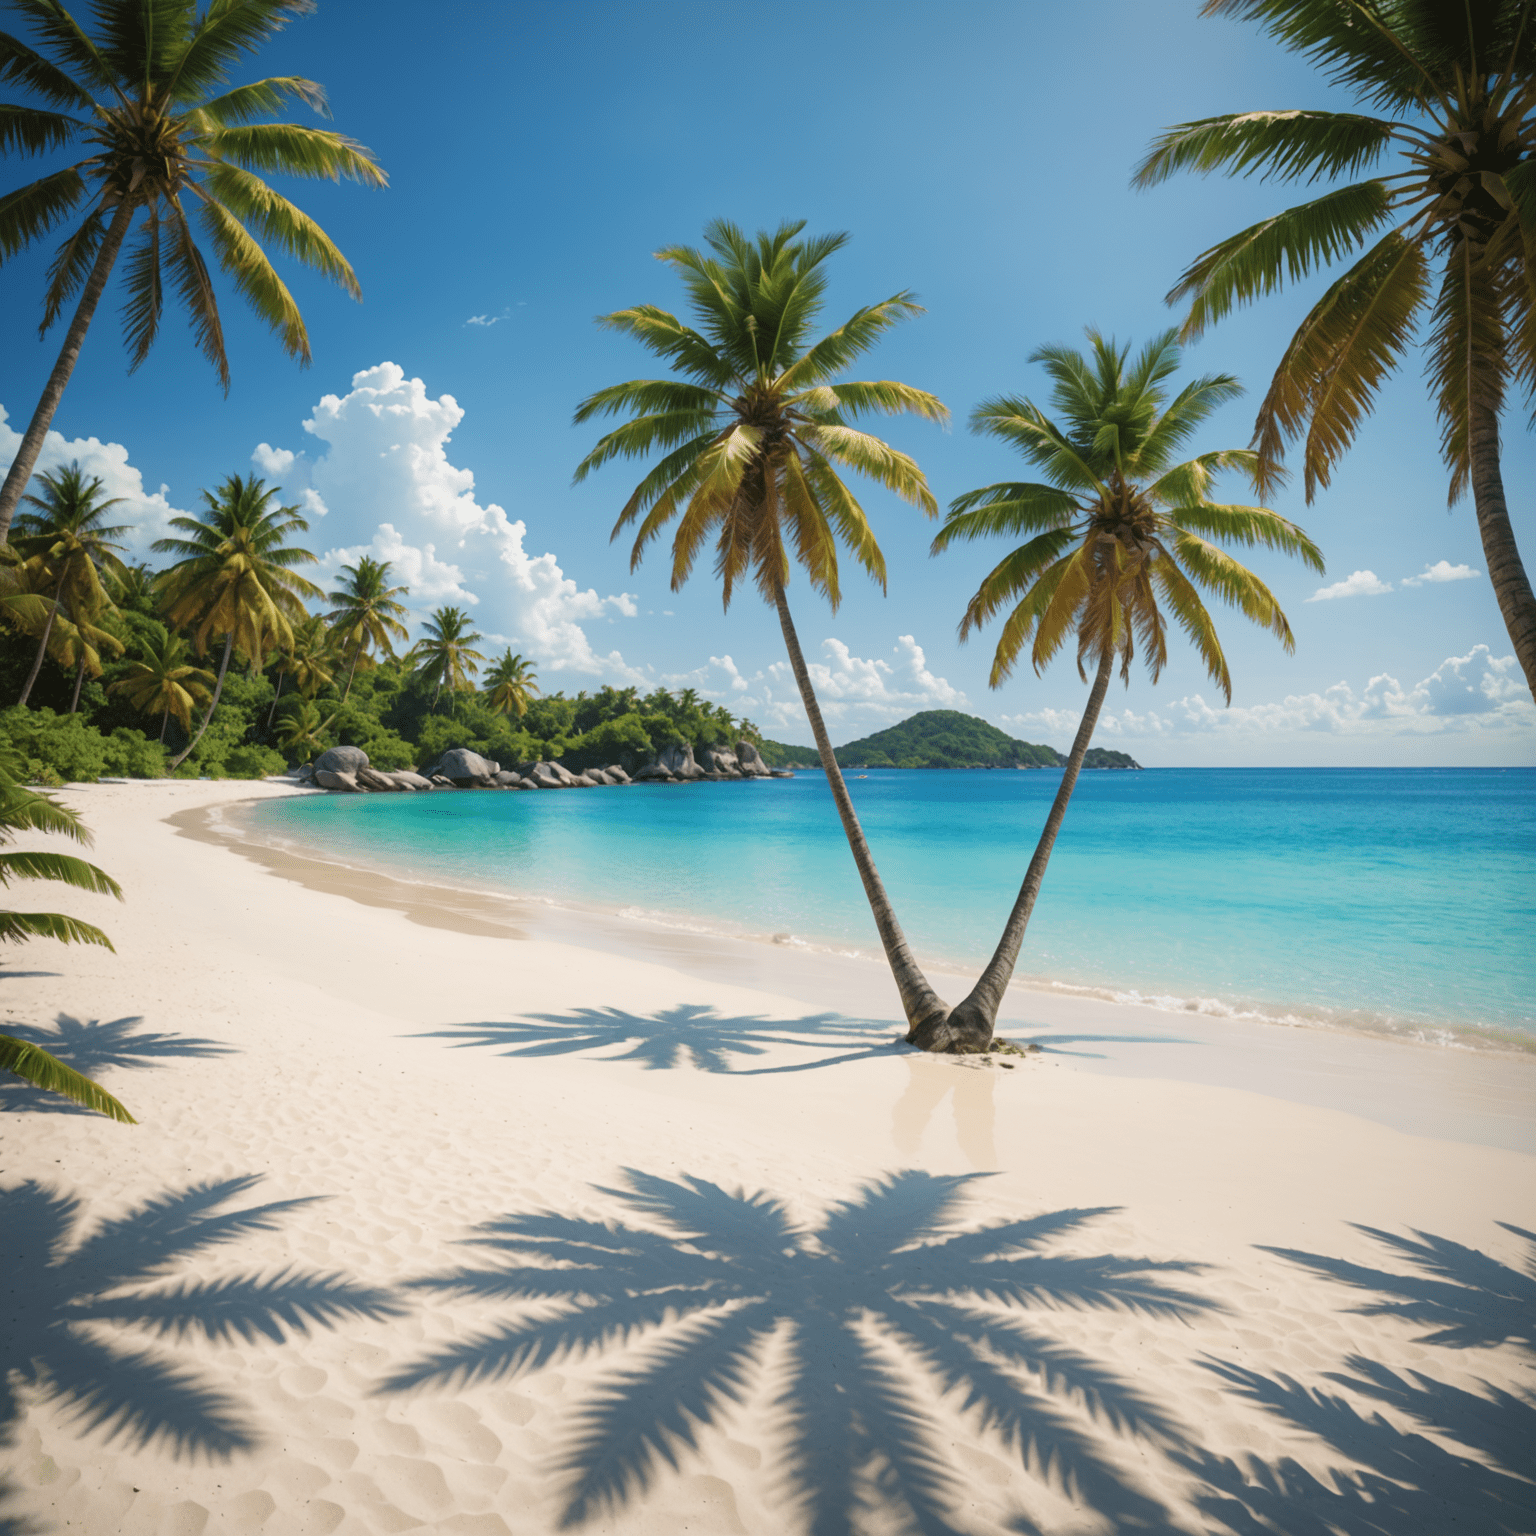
[{"x": 539, "y": 153}]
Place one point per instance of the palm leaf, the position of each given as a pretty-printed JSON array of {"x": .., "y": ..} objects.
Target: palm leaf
[
  {"x": 34, "y": 1065},
  {"x": 1218, "y": 572},
  {"x": 1279, "y": 145},
  {"x": 18, "y": 927},
  {"x": 1251, "y": 526},
  {"x": 1007, "y": 507},
  {"x": 290, "y": 150},
  {"x": 71, "y": 266},
  {"x": 57, "y": 866},
  {"x": 263, "y": 98},
  {"x": 29, "y": 131},
  {"x": 256, "y": 280},
  {"x": 1193, "y": 619},
  {"x": 196, "y": 290},
  {"x": 31, "y": 211},
  {"x": 146, "y": 294},
  {"x": 37, "y": 74},
  {"x": 249, "y": 199}
]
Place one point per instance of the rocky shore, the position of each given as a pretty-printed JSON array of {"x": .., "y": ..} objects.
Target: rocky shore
[{"x": 347, "y": 770}]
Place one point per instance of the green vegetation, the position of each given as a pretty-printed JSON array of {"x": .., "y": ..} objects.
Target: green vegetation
[
  {"x": 1451, "y": 236},
  {"x": 944, "y": 738},
  {"x": 24, "y": 810},
  {"x": 1103, "y": 757},
  {"x": 752, "y": 430},
  {"x": 1115, "y": 531},
  {"x": 779, "y": 754},
  {"x": 148, "y": 98}
]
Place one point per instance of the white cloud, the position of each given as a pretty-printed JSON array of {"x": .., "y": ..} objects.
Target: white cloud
[
  {"x": 149, "y": 513},
  {"x": 1475, "y": 692},
  {"x": 1358, "y": 584},
  {"x": 489, "y": 320},
  {"x": 384, "y": 466},
  {"x": 430, "y": 579},
  {"x": 1441, "y": 570}
]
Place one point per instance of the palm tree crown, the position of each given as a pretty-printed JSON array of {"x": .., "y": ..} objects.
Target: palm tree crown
[
  {"x": 445, "y": 653},
  {"x": 1449, "y": 235},
  {"x": 754, "y": 432},
  {"x": 509, "y": 683},
  {"x": 1119, "y": 526},
  {"x": 367, "y": 615},
  {"x": 148, "y": 97},
  {"x": 163, "y": 680}
]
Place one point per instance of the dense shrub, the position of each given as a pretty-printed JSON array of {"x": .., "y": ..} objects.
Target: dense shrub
[{"x": 624, "y": 741}]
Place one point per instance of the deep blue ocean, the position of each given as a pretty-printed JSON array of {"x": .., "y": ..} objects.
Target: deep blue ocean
[{"x": 1400, "y": 899}]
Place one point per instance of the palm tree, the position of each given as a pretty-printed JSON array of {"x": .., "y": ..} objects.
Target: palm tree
[
  {"x": 366, "y": 613},
  {"x": 236, "y": 578},
  {"x": 307, "y": 660},
  {"x": 302, "y": 730},
  {"x": 444, "y": 652},
  {"x": 132, "y": 588},
  {"x": 509, "y": 683},
  {"x": 149, "y": 96},
  {"x": 68, "y": 534},
  {"x": 752, "y": 437},
  {"x": 24, "y": 810},
  {"x": 1451, "y": 237},
  {"x": 164, "y": 681},
  {"x": 1116, "y": 528}
]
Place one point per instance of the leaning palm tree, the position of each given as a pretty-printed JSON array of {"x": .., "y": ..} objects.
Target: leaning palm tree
[
  {"x": 752, "y": 437},
  {"x": 509, "y": 683},
  {"x": 236, "y": 579},
  {"x": 367, "y": 615},
  {"x": 149, "y": 97},
  {"x": 24, "y": 810},
  {"x": 1116, "y": 529},
  {"x": 309, "y": 659},
  {"x": 1449, "y": 236},
  {"x": 444, "y": 652},
  {"x": 163, "y": 680},
  {"x": 68, "y": 534}
]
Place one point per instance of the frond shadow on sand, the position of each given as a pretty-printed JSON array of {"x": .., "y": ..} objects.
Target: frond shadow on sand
[
  {"x": 690, "y": 1033},
  {"x": 92, "y": 1046},
  {"x": 74, "y": 1294},
  {"x": 698, "y": 1297},
  {"x": 1442, "y": 1458}
]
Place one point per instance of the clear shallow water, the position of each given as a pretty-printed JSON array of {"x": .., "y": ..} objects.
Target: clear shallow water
[{"x": 1402, "y": 899}]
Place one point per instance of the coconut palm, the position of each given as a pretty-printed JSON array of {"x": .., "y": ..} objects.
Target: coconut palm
[
  {"x": 366, "y": 615},
  {"x": 444, "y": 652},
  {"x": 236, "y": 578},
  {"x": 1448, "y": 236},
  {"x": 149, "y": 97},
  {"x": 82, "y": 641},
  {"x": 68, "y": 534},
  {"x": 302, "y": 730},
  {"x": 752, "y": 436},
  {"x": 163, "y": 680},
  {"x": 308, "y": 660},
  {"x": 509, "y": 684},
  {"x": 132, "y": 588},
  {"x": 1116, "y": 530},
  {"x": 25, "y": 810}
]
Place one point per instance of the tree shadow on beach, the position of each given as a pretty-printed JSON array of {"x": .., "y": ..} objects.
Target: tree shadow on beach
[
  {"x": 1453, "y": 1459},
  {"x": 714, "y": 1286},
  {"x": 92, "y": 1046},
  {"x": 70, "y": 1292},
  {"x": 1062, "y": 1045},
  {"x": 691, "y": 1033}
]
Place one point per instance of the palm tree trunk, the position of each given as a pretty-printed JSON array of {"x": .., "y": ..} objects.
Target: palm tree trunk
[
  {"x": 282, "y": 677},
  {"x": 165, "y": 716},
  {"x": 37, "y": 661},
  {"x": 213, "y": 704},
  {"x": 924, "y": 1008},
  {"x": 1511, "y": 586},
  {"x": 74, "y": 703},
  {"x": 352, "y": 672},
  {"x": 53, "y": 391},
  {"x": 969, "y": 1028}
]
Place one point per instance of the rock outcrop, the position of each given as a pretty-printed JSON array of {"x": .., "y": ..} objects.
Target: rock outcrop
[
  {"x": 654, "y": 773},
  {"x": 678, "y": 761},
  {"x": 750, "y": 760},
  {"x": 466, "y": 769},
  {"x": 341, "y": 760},
  {"x": 616, "y": 774},
  {"x": 371, "y": 778},
  {"x": 408, "y": 780},
  {"x": 328, "y": 779}
]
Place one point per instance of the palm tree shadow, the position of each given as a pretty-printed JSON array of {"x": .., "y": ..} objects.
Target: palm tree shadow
[
  {"x": 691, "y": 1033},
  {"x": 1466, "y": 1460},
  {"x": 1061, "y": 1045},
  {"x": 92, "y": 1046},
  {"x": 71, "y": 1291},
  {"x": 708, "y": 1283}
]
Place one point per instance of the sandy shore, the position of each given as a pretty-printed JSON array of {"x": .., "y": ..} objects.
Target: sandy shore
[{"x": 447, "y": 1214}]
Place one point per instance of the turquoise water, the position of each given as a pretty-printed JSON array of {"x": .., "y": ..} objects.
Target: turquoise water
[{"x": 1402, "y": 899}]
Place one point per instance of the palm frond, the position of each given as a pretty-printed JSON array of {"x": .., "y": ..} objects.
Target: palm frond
[
  {"x": 1234, "y": 583},
  {"x": 1251, "y": 526},
  {"x": 250, "y": 200},
  {"x": 17, "y": 927},
  {"x": 71, "y": 266},
  {"x": 1281, "y": 146},
  {"x": 63, "y": 867},
  {"x": 256, "y": 279},
  {"x": 1007, "y": 507},
  {"x": 869, "y": 455},
  {"x": 41, "y": 76},
  {"x": 884, "y": 397},
  {"x": 1193, "y": 619},
  {"x": 30, "y": 131},
  {"x": 196, "y": 290},
  {"x": 34, "y": 1065},
  {"x": 861, "y": 331},
  {"x": 31, "y": 211},
  {"x": 289, "y": 150},
  {"x": 263, "y": 98},
  {"x": 146, "y": 295}
]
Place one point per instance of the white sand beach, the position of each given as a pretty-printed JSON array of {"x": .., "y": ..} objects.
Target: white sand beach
[{"x": 560, "y": 1227}]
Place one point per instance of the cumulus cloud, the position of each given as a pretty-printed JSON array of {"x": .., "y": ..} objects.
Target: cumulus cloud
[
  {"x": 1357, "y": 584},
  {"x": 1478, "y": 691},
  {"x": 382, "y": 470},
  {"x": 1441, "y": 570},
  {"x": 148, "y": 512}
]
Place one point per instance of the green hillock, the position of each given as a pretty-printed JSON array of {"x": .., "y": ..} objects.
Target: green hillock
[
  {"x": 945, "y": 738},
  {"x": 1102, "y": 757},
  {"x": 778, "y": 754}
]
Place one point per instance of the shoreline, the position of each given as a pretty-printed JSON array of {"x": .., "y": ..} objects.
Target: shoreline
[
  {"x": 336, "y": 1293},
  {"x": 1497, "y": 1039}
]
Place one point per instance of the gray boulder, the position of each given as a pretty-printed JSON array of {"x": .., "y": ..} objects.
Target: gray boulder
[
  {"x": 595, "y": 776},
  {"x": 408, "y": 780},
  {"x": 616, "y": 774},
  {"x": 678, "y": 761},
  {"x": 718, "y": 760},
  {"x": 341, "y": 760},
  {"x": 437, "y": 781},
  {"x": 467, "y": 769},
  {"x": 379, "y": 783},
  {"x": 750, "y": 761},
  {"x": 507, "y": 780},
  {"x": 326, "y": 779},
  {"x": 547, "y": 776},
  {"x": 653, "y": 773}
]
